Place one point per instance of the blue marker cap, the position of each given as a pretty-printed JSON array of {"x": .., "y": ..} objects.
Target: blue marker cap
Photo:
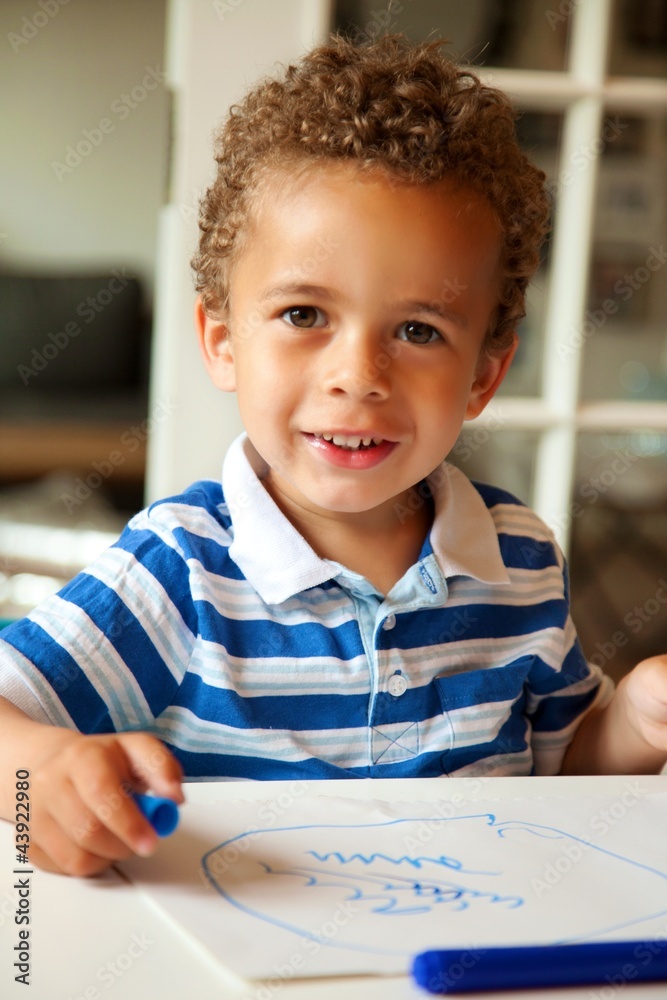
[{"x": 162, "y": 814}]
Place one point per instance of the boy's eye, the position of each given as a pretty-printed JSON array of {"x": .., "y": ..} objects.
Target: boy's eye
[
  {"x": 418, "y": 333},
  {"x": 304, "y": 317}
]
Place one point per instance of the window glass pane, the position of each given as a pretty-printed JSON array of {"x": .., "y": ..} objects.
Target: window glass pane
[
  {"x": 503, "y": 458},
  {"x": 618, "y": 560},
  {"x": 623, "y": 334},
  {"x": 526, "y": 35},
  {"x": 639, "y": 38}
]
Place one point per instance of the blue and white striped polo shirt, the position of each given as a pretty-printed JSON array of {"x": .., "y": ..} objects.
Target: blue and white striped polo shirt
[{"x": 214, "y": 625}]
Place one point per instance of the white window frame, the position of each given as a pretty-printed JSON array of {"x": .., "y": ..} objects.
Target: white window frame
[{"x": 557, "y": 415}]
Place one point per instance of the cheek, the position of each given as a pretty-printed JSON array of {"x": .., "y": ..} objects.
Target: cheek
[{"x": 263, "y": 391}]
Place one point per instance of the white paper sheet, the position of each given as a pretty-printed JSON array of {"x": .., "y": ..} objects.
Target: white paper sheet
[{"x": 335, "y": 886}]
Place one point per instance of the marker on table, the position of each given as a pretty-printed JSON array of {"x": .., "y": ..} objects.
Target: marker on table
[
  {"x": 460, "y": 970},
  {"x": 162, "y": 814}
]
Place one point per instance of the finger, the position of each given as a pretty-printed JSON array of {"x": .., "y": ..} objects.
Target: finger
[
  {"x": 59, "y": 813},
  {"x": 63, "y": 855},
  {"x": 62, "y": 816},
  {"x": 153, "y": 765},
  {"x": 103, "y": 778},
  {"x": 86, "y": 828},
  {"x": 74, "y": 862}
]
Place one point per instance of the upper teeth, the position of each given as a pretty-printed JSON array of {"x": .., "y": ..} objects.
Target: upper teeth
[{"x": 343, "y": 441}]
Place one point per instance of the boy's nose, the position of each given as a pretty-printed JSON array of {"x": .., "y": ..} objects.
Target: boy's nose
[{"x": 358, "y": 368}]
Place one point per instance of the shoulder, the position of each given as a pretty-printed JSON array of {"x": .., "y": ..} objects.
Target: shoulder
[
  {"x": 205, "y": 497},
  {"x": 186, "y": 521},
  {"x": 511, "y": 514},
  {"x": 520, "y": 530}
]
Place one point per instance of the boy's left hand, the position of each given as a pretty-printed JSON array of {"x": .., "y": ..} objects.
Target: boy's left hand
[{"x": 646, "y": 694}]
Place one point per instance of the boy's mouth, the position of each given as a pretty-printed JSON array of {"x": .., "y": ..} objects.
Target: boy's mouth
[
  {"x": 354, "y": 452},
  {"x": 351, "y": 442}
]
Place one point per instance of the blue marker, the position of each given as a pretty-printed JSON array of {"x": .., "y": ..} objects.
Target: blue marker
[
  {"x": 459, "y": 970},
  {"x": 162, "y": 814}
]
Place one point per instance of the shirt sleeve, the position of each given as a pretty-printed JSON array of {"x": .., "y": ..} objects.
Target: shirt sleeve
[
  {"x": 109, "y": 651},
  {"x": 559, "y": 699}
]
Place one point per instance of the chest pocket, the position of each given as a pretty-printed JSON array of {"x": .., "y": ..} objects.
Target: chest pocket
[{"x": 479, "y": 703}]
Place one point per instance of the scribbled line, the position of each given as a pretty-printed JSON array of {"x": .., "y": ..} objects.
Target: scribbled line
[
  {"x": 393, "y": 895},
  {"x": 418, "y": 862},
  {"x": 374, "y": 884}
]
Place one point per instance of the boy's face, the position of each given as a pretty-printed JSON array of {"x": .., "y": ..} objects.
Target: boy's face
[{"x": 353, "y": 335}]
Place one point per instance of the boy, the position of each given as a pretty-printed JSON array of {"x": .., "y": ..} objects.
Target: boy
[{"x": 347, "y": 605}]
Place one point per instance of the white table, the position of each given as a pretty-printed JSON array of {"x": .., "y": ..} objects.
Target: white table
[{"x": 103, "y": 937}]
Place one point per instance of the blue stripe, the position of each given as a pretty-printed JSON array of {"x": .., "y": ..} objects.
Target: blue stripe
[
  {"x": 437, "y": 626},
  {"x": 292, "y": 712},
  {"x": 494, "y": 495},
  {"x": 257, "y": 639},
  {"x": 87, "y": 709},
  {"x": 162, "y": 562},
  {"x": 524, "y": 552},
  {"x": 556, "y": 713},
  {"x": 431, "y": 765}
]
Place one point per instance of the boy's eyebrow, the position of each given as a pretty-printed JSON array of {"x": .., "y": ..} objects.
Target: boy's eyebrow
[
  {"x": 296, "y": 288},
  {"x": 438, "y": 308}
]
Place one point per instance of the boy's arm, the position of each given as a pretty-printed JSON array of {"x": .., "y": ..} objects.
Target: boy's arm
[
  {"x": 629, "y": 735},
  {"x": 82, "y": 816}
]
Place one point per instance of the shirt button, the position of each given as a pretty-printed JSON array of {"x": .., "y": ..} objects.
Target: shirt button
[
  {"x": 389, "y": 622},
  {"x": 397, "y": 685}
]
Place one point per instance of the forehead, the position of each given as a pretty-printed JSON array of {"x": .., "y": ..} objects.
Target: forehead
[{"x": 324, "y": 214}]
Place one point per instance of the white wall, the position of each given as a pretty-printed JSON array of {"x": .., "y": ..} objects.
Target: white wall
[{"x": 64, "y": 67}]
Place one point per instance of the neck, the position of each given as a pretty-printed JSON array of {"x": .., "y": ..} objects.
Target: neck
[{"x": 378, "y": 544}]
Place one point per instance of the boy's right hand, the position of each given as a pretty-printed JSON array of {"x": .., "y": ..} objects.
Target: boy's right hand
[{"x": 82, "y": 814}]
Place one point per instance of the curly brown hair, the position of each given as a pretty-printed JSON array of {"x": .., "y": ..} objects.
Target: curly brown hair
[{"x": 401, "y": 107}]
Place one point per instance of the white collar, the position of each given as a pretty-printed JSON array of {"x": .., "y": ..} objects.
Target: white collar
[{"x": 279, "y": 563}]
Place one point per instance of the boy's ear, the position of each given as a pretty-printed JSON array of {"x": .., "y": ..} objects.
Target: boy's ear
[
  {"x": 491, "y": 370},
  {"x": 215, "y": 343}
]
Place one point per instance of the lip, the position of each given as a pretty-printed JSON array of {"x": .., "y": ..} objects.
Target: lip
[{"x": 345, "y": 458}]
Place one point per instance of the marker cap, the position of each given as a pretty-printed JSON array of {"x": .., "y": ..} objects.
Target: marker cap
[{"x": 161, "y": 813}]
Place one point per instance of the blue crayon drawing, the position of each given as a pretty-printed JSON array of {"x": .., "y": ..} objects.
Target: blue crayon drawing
[{"x": 401, "y": 886}]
